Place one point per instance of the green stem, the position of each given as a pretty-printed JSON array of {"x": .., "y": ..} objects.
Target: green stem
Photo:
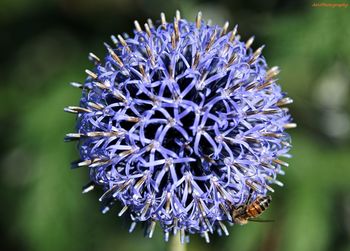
[{"x": 175, "y": 244}]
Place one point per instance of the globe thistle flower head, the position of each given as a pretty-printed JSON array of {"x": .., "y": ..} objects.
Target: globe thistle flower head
[{"x": 181, "y": 124}]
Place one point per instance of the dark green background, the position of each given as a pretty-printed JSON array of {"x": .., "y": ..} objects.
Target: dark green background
[{"x": 44, "y": 46}]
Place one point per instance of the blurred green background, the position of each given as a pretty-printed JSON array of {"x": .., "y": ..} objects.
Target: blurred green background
[{"x": 45, "y": 46}]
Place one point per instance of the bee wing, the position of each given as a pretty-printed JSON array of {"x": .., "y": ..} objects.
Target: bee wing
[{"x": 260, "y": 220}]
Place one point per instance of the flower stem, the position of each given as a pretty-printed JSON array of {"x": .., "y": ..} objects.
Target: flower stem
[{"x": 175, "y": 244}]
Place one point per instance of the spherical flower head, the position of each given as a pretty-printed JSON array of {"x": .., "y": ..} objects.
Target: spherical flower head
[{"x": 182, "y": 124}]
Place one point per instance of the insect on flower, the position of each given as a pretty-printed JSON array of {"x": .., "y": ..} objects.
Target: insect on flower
[
  {"x": 250, "y": 210},
  {"x": 180, "y": 123}
]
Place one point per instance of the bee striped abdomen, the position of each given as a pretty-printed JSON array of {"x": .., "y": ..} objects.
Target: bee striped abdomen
[
  {"x": 258, "y": 206},
  {"x": 254, "y": 210}
]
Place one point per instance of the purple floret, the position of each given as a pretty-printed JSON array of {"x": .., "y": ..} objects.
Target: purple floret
[{"x": 180, "y": 124}]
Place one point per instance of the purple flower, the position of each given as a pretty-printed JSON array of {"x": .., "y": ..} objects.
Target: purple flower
[{"x": 181, "y": 124}]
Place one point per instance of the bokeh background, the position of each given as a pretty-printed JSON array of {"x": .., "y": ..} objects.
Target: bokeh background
[{"x": 44, "y": 46}]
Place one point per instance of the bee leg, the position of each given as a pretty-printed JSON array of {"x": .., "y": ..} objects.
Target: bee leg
[{"x": 249, "y": 197}]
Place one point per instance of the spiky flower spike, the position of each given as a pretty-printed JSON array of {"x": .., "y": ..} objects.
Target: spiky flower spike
[{"x": 181, "y": 124}]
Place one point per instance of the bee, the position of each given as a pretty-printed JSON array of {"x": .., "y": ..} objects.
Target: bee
[{"x": 242, "y": 214}]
